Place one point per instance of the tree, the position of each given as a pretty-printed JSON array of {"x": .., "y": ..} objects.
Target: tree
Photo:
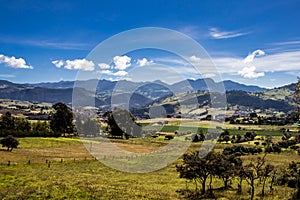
[
  {"x": 197, "y": 169},
  {"x": 42, "y": 129},
  {"x": 7, "y": 121},
  {"x": 254, "y": 171},
  {"x": 226, "y": 167},
  {"x": 266, "y": 173},
  {"x": 10, "y": 142},
  {"x": 62, "y": 119},
  {"x": 87, "y": 127},
  {"x": 297, "y": 100},
  {"x": 121, "y": 123},
  {"x": 291, "y": 177}
]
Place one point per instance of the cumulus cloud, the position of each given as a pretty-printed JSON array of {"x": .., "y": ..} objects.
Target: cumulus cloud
[
  {"x": 17, "y": 63},
  {"x": 77, "y": 64},
  {"x": 194, "y": 59},
  {"x": 58, "y": 63},
  {"x": 252, "y": 55},
  {"x": 144, "y": 62},
  {"x": 120, "y": 73},
  {"x": 122, "y": 62},
  {"x": 217, "y": 34},
  {"x": 103, "y": 66},
  {"x": 249, "y": 72}
]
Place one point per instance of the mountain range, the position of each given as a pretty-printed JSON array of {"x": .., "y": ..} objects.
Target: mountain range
[
  {"x": 105, "y": 85},
  {"x": 142, "y": 94}
]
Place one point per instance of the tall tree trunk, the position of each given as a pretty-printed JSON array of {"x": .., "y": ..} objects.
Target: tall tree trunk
[
  {"x": 210, "y": 186},
  {"x": 226, "y": 183},
  {"x": 252, "y": 189},
  {"x": 263, "y": 187},
  {"x": 240, "y": 186},
  {"x": 203, "y": 185}
]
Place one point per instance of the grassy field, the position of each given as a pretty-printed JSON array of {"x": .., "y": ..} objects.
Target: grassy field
[
  {"x": 74, "y": 174},
  {"x": 185, "y": 125}
]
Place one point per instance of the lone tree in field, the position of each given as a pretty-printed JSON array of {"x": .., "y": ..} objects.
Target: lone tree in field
[
  {"x": 62, "y": 119},
  {"x": 121, "y": 123},
  {"x": 10, "y": 142}
]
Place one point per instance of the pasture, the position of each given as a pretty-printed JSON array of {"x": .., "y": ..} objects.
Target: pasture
[{"x": 74, "y": 174}]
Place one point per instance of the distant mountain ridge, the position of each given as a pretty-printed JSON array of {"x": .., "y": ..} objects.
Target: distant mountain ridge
[
  {"x": 105, "y": 85},
  {"x": 142, "y": 94}
]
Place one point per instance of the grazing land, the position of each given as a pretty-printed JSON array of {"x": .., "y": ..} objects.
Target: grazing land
[{"x": 62, "y": 168}]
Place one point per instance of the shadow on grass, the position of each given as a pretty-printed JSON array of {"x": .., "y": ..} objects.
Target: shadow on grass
[{"x": 209, "y": 194}]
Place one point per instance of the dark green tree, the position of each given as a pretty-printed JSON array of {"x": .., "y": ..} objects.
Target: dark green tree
[
  {"x": 42, "y": 129},
  {"x": 7, "y": 121},
  {"x": 23, "y": 126},
  {"x": 62, "y": 119},
  {"x": 121, "y": 123},
  {"x": 10, "y": 142}
]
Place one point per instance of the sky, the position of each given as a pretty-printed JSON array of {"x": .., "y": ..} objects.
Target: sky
[{"x": 251, "y": 42}]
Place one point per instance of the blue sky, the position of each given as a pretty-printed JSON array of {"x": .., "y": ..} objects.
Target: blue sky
[{"x": 251, "y": 42}]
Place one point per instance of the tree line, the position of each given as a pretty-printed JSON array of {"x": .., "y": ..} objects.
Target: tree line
[
  {"x": 61, "y": 122},
  {"x": 203, "y": 171}
]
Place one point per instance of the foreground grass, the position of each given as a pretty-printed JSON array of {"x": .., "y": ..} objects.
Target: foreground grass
[{"x": 86, "y": 178}]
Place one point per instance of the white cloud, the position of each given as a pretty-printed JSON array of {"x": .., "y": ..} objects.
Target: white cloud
[
  {"x": 217, "y": 34},
  {"x": 195, "y": 59},
  {"x": 7, "y": 76},
  {"x": 58, "y": 63},
  {"x": 80, "y": 64},
  {"x": 77, "y": 64},
  {"x": 296, "y": 42},
  {"x": 252, "y": 55},
  {"x": 192, "y": 31},
  {"x": 209, "y": 75},
  {"x": 249, "y": 72},
  {"x": 103, "y": 66},
  {"x": 235, "y": 65},
  {"x": 122, "y": 62},
  {"x": 71, "y": 45},
  {"x": 18, "y": 63},
  {"x": 106, "y": 72},
  {"x": 120, "y": 73},
  {"x": 144, "y": 62}
]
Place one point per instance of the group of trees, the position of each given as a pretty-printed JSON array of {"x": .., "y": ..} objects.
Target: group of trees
[
  {"x": 229, "y": 167},
  {"x": 21, "y": 127},
  {"x": 61, "y": 122},
  {"x": 121, "y": 124}
]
